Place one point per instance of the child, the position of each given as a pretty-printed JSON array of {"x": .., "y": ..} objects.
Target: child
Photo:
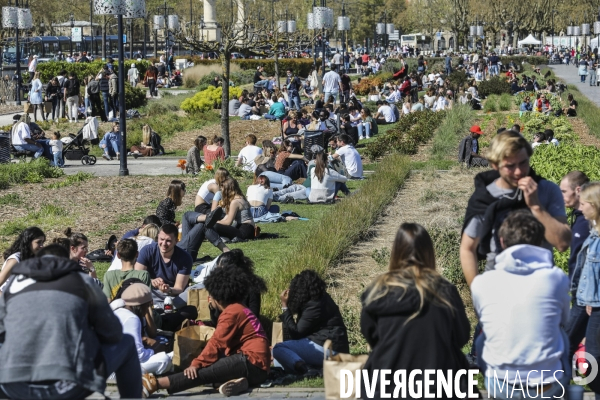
[{"x": 57, "y": 148}]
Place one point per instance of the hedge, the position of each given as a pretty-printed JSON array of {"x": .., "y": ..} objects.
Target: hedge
[
  {"x": 301, "y": 66},
  {"x": 437, "y": 64},
  {"x": 48, "y": 70}
]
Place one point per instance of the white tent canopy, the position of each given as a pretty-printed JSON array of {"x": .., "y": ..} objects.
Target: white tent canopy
[{"x": 529, "y": 40}]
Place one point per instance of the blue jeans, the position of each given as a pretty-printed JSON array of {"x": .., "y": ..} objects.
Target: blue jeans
[
  {"x": 120, "y": 358},
  {"x": 58, "y": 160},
  {"x": 582, "y": 325},
  {"x": 278, "y": 181},
  {"x": 194, "y": 232},
  {"x": 366, "y": 127},
  {"x": 296, "y": 170},
  {"x": 346, "y": 66},
  {"x": 263, "y": 83},
  {"x": 294, "y": 99},
  {"x": 493, "y": 70},
  {"x": 107, "y": 102},
  {"x": 497, "y": 389},
  {"x": 30, "y": 147},
  {"x": 269, "y": 116},
  {"x": 287, "y": 354},
  {"x": 113, "y": 144},
  {"x": 296, "y": 192},
  {"x": 88, "y": 104}
]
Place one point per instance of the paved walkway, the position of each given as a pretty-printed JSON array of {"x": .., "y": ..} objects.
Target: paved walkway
[
  {"x": 568, "y": 73},
  {"x": 142, "y": 166},
  {"x": 206, "y": 393}
]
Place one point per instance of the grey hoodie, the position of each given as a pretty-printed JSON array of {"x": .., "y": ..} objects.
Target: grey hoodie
[{"x": 53, "y": 320}]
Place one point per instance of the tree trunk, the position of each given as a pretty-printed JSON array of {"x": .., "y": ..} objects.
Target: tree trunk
[
  {"x": 277, "y": 58},
  {"x": 225, "y": 66}
]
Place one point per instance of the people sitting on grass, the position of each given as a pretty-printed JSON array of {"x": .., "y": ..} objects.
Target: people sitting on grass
[
  {"x": 368, "y": 125},
  {"x": 166, "y": 208},
  {"x": 571, "y": 111},
  {"x": 349, "y": 156},
  {"x": 150, "y": 145},
  {"x": 237, "y": 355},
  {"x": 276, "y": 111},
  {"x": 526, "y": 279},
  {"x": 214, "y": 151},
  {"x": 127, "y": 253},
  {"x": 111, "y": 143},
  {"x": 78, "y": 245},
  {"x": 525, "y": 105},
  {"x": 70, "y": 327},
  {"x": 249, "y": 153},
  {"x": 193, "y": 160},
  {"x": 292, "y": 127},
  {"x": 468, "y": 149},
  {"x": 235, "y": 259},
  {"x": 245, "y": 109},
  {"x": 135, "y": 314},
  {"x": 413, "y": 318},
  {"x": 288, "y": 162},
  {"x": 325, "y": 182},
  {"x": 206, "y": 198},
  {"x": 319, "y": 319},
  {"x": 25, "y": 246},
  {"x": 260, "y": 196},
  {"x": 538, "y": 139},
  {"x": 385, "y": 114},
  {"x": 169, "y": 267},
  {"x": 147, "y": 234}
]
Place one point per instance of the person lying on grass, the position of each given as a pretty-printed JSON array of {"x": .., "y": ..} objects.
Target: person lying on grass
[{"x": 238, "y": 351}]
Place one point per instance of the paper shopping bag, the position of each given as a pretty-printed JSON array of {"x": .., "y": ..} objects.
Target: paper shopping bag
[
  {"x": 199, "y": 299},
  {"x": 189, "y": 343},
  {"x": 277, "y": 333},
  {"x": 28, "y": 108},
  {"x": 331, "y": 370}
]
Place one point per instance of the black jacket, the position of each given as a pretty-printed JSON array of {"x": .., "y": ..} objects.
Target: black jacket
[
  {"x": 493, "y": 209},
  {"x": 431, "y": 340},
  {"x": 318, "y": 321}
]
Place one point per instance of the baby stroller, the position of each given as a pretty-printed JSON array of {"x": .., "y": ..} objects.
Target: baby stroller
[{"x": 75, "y": 149}]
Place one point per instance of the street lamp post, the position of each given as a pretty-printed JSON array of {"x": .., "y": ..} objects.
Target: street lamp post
[
  {"x": 167, "y": 22},
  {"x": 17, "y": 18},
  {"x": 127, "y": 9},
  {"x": 72, "y": 18}
]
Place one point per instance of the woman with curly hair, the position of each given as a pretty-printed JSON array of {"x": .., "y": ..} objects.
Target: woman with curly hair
[
  {"x": 319, "y": 319},
  {"x": 25, "y": 246},
  {"x": 238, "y": 351},
  {"x": 412, "y": 317}
]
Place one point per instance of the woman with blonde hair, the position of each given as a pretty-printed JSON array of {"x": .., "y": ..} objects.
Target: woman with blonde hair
[
  {"x": 585, "y": 283},
  {"x": 35, "y": 97},
  {"x": 412, "y": 317},
  {"x": 145, "y": 149},
  {"x": 148, "y": 235}
]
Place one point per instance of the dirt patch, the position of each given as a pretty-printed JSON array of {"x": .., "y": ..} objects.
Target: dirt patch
[
  {"x": 99, "y": 207},
  {"x": 583, "y": 131},
  {"x": 432, "y": 199},
  {"x": 238, "y": 130}
]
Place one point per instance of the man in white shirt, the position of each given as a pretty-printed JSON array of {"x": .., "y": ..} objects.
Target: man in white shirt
[
  {"x": 249, "y": 153},
  {"x": 337, "y": 59},
  {"x": 385, "y": 114},
  {"x": 332, "y": 84},
  {"x": 521, "y": 306},
  {"x": 21, "y": 138},
  {"x": 349, "y": 157},
  {"x": 395, "y": 96}
]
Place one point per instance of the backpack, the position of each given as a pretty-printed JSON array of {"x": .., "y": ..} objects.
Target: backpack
[{"x": 93, "y": 87}]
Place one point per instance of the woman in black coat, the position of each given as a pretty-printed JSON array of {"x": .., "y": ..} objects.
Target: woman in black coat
[
  {"x": 412, "y": 317},
  {"x": 318, "y": 319}
]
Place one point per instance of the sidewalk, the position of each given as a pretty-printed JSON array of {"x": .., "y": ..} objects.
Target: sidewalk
[
  {"x": 568, "y": 73},
  {"x": 206, "y": 393}
]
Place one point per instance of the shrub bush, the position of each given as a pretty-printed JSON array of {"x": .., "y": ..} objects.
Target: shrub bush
[
  {"x": 406, "y": 136},
  {"x": 134, "y": 97},
  {"x": 495, "y": 85},
  {"x": 554, "y": 162},
  {"x": 457, "y": 79},
  {"x": 301, "y": 66},
  {"x": 490, "y": 104},
  {"x": 363, "y": 87},
  {"x": 32, "y": 172},
  {"x": 207, "y": 99},
  {"x": 189, "y": 82},
  {"x": 504, "y": 103},
  {"x": 49, "y": 70}
]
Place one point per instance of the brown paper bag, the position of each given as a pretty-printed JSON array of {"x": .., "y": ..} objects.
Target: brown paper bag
[
  {"x": 28, "y": 108},
  {"x": 332, "y": 367},
  {"x": 48, "y": 107},
  {"x": 277, "y": 333},
  {"x": 199, "y": 299},
  {"x": 189, "y": 343}
]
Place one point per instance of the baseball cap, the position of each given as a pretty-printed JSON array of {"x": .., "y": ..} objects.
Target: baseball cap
[{"x": 476, "y": 129}]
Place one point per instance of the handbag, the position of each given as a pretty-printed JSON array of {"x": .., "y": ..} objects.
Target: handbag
[
  {"x": 189, "y": 342},
  {"x": 332, "y": 367},
  {"x": 199, "y": 299}
]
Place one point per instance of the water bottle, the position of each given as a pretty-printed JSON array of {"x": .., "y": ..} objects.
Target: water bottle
[{"x": 168, "y": 305}]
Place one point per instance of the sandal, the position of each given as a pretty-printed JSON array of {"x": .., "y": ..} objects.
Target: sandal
[{"x": 149, "y": 385}]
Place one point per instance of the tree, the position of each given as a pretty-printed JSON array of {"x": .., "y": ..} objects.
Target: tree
[{"x": 235, "y": 36}]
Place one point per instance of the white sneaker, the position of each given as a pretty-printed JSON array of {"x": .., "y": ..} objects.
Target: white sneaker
[
  {"x": 234, "y": 387},
  {"x": 360, "y": 138}
]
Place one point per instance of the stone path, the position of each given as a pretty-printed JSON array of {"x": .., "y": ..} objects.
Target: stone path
[{"x": 568, "y": 73}]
